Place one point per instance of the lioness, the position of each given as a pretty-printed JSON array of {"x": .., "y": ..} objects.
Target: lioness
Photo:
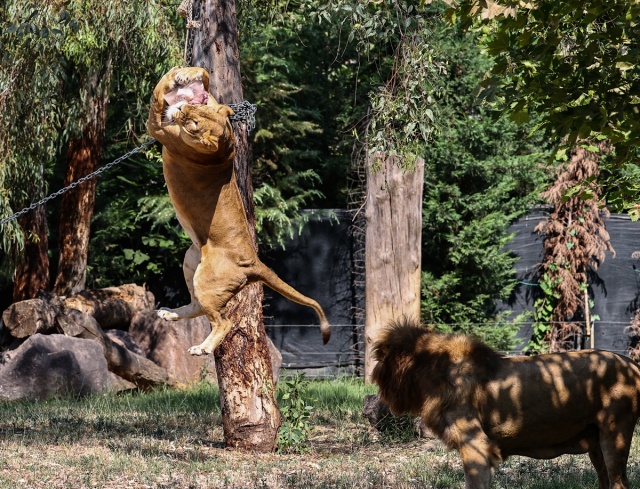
[
  {"x": 197, "y": 155},
  {"x": 489, "y": 407}
]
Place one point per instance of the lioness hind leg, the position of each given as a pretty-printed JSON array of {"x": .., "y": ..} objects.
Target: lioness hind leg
[
  {"x": 216, "y": 281},
  {"x": 193, "y": 309},
  {"x": 219, "y": 329}
]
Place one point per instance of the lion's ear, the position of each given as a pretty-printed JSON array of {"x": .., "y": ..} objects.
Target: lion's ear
[{"x": 380, "y": 352}]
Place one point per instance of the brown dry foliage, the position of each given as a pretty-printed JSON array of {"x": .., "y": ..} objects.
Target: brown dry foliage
[{"x": 575, "y": 237}]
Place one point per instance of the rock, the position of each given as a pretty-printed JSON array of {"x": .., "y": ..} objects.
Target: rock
[
  {"x": 144, "y": 373},
  {"x": 53, "y": 365},
  {"x": 124, "y": 338},
  {"x": 25, "y": 318},
  {"x": 382, "y": 419},
  {"x": 113, "y": 307},
  {"x": 118, "y": 384},
  {"x": 166, "y": 344}
]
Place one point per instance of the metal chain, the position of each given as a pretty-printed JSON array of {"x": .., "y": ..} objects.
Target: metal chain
[
  {"x": 77, "y": 182},
  {"x": 244, "y": 111},
  {"x": 186, "y": 10}
]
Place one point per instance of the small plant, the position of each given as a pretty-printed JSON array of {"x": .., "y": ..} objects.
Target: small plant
[
  {"x": 543, "y": 315},
  {"x": 295, "y": 412}
]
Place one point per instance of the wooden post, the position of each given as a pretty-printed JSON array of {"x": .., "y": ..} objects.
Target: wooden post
[
  {"x": 250, "y": 415},
  {"x": 393, "y": 248},
  {"x": 587, "y": 319}
]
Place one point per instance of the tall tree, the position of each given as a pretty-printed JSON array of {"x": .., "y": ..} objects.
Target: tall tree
[
  {"x": 64, "y": 52},
  {"x": 83, "y": 157},
  {"x": 31, "y": 43},
  {"x": 393, "y": 36},
  {"x": 250, "y": 415}
]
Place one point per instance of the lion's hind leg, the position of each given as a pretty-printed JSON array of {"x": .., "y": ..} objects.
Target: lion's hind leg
[
  {"x": 216, "y": 281},
  {"x": 220, "y": 327},
  {"x": 615, "y": 443}
]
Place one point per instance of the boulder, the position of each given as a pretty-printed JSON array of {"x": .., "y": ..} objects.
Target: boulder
[
  {"x": 124, "y": 338},
  {"x": 53, "y": 365},
  {"x": 25, "y": 318},
  {"x": 113, "y": 307},
  {"x": 138, "y": 369},
  {"x": 166, "y": 344}
]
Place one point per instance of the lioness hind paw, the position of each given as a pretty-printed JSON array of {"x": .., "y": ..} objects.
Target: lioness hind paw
[
  {"x": 167, "y": 314},
  {"x": 200, "y": 350}
]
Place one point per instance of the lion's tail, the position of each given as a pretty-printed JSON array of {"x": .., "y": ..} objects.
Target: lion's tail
[{"x": 270, "y": 279}]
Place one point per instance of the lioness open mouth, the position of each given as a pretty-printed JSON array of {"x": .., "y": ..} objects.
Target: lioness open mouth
[{"x": 193, "y": 93}]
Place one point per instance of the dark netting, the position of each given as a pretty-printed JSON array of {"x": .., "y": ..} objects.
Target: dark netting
[{"x": 615, "y": 286}]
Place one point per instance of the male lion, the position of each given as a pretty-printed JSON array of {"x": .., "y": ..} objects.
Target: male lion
[
  {"x": 489, "y": 407},
  {"x": 197, "y": 156}
]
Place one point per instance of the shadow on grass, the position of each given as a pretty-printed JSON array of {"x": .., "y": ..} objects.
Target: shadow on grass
[{"x": 163, "y": 414}]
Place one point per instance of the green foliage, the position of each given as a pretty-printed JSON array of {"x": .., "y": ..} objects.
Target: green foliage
[
  {"x": 278, "y": 218},
  {"x": 302, "y": 82},
  {"x": 31, "y": 107},
  {"x": 544, "y": 306},
  {"x": 295, "y": 413},
  {"x": 394, "y": 38},
  {"x": 50, "y": 52},
  {"x": 481, "y": 173},
  {"x": 574, "y": 64}
]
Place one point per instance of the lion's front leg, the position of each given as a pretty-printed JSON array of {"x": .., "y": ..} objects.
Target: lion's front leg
[{"x": 479, "y": 455}]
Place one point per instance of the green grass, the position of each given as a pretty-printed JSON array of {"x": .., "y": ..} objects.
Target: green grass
[{"x": 173, "y": 439}]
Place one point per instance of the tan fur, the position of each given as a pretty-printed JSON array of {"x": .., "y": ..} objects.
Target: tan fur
[
  {"x": 489, "y": 407},
  {"x": 197, "y": 155}
]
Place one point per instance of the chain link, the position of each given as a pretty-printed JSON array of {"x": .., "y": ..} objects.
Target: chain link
[
  {"x": 244, "y": 111},
  {"x": 77, "y": 182}
]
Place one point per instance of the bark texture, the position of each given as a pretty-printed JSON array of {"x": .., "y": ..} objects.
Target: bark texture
[
  {"x": 250, "y": 414},
  {"x": 83, "y": 157},
  {"x": 32, "y": 269},
  {"x": 393, "y": 248}
]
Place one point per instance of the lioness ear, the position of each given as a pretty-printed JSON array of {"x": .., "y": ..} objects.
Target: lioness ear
[{"x": 225, "y": 111}]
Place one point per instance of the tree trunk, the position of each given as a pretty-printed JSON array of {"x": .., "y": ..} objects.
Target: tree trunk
[
  {"x": 393, "y": 248},
  {"x": 250, "y": 414},
  {"x": 83, "y": 157},
  {"x": 32, "y": 269}
]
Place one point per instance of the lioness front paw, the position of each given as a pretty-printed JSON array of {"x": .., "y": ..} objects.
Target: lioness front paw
[
  {"x": 168, "y": 314},
  {"x": 186, "y": 75}
]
